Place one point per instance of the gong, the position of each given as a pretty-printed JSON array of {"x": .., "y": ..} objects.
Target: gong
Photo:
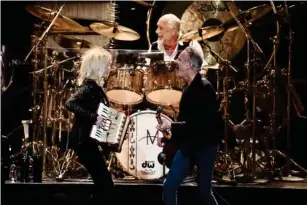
[{"x": 198, "y": 14}]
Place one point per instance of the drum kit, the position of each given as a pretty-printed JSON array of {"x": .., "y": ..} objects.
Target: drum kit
[{"x": 133, "y": 83}]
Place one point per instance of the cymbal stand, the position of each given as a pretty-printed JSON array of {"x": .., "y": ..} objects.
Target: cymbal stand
[
  {"x": 34, "y": 110},
  {"x": 40, "y": 40},
  {"x": 254, "y": 87},
  {"x": 148, "y": 18},
  {"x": 45, "y": 109},
  {"x": 58, "y": 91},
  {"x": 114, "y": 15},
  {"x": 247, "y": 86},
  {"x": 289, "y": 85},
  {"x": 45, "y": 82},
  {"x": 259, "y": 50},
  {"x": 289, "y": 97},
  {"x": 225, "y": 105},
  {"x": 270, "y": 155},
  {"x": 218, "y": 83},
  {"x": 111, "y": 44},
  {"x": 275, "y": 40}
]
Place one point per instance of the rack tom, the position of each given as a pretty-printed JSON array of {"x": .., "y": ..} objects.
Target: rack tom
[
  {"x": 124, "y": 86},
  {"x": 163, "y": 87}
]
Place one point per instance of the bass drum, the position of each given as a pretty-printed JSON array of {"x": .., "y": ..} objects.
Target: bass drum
[{"x": 139, "y": 154}]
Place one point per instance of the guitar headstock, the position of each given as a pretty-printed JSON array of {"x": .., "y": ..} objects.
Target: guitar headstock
[
  {"x": 158, "y": 114},
  {"x": 159, "y": 110},
  {"x": 166, "y": 134}
]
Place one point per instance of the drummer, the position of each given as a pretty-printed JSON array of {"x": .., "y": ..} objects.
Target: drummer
[{"x": 168, "y": 31}]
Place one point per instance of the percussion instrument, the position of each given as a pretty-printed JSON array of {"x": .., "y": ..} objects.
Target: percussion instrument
[
  {"x": 139, "y": 155},
  {"x": 113, "y": 129},
  {"x": 61, "y": 23},
  {"x": 222, "y": 29},
  {"x": 163, "y": 87},
  {"x": 206, "y": 33},
  {"x": 124, "y": 86},
  {"x": 209, "y": 16},
  {"x": 113, "y": 30}
]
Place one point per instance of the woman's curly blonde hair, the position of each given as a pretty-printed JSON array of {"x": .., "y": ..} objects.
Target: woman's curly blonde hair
[{"x": 95, "y": 65}]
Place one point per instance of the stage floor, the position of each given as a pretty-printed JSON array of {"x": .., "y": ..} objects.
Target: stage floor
[{"x": 140, "y": 192}]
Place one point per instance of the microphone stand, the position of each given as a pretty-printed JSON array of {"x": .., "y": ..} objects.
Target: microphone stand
[{"x": 45, "y": 32}]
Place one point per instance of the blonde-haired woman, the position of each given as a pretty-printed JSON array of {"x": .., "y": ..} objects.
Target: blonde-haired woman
[{"x": 84, "y": 103}]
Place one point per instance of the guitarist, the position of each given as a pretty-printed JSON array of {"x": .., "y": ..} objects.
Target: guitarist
[{"x": 196, "y": 132}]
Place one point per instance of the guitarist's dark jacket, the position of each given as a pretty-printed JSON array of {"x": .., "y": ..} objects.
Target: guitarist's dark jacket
[{"x": 199, "y": 124}]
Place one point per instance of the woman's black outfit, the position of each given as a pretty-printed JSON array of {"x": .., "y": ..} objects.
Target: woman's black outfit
[{"x": 84, "y": 104}]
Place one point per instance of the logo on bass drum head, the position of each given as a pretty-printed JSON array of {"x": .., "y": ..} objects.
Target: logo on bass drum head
[{"x": 148, "y": 167}]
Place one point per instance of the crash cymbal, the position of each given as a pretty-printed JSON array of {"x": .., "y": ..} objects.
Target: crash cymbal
[
  {"x": 201, "y": 14},
  {"x": 73, "y": 44},
  {"x": 248, "y": 17},
  {"x": 207, "y": 32},
  {"x": 61, "y": 23},
  {"x": 113, "y": 30}
]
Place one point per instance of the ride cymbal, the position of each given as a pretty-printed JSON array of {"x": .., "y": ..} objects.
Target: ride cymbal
[
  {"x": 61, "y": 23},
  {"x": 248, "y": 17},
  {"x": 202, "y": 33},
  {"x": 112, "y": 30}
]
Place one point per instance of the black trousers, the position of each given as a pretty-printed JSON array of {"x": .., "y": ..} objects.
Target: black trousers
[{"x": 91, "y": 158}]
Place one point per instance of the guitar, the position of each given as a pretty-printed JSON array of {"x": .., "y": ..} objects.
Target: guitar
[{"x": 170, "y": 147}]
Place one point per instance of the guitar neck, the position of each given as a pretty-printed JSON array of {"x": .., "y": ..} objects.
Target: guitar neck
[{"x": 165, "y": 133}]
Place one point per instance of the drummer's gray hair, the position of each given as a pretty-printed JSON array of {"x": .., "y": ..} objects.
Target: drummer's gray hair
[
  {"x": 172, "y": 20},
  {"x": 95, "y": 65},
  {"x": 194, "y": 57}
]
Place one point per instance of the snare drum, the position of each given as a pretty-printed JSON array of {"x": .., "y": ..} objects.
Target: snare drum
[
  {"x": 163, "y": 87},
  {"x": 139, "y": 154},
  {"x": 124, "y": 86}
]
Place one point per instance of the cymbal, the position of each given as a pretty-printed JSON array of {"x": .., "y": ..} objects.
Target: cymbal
[
  {"x": 199, "y": 14},
  {"x": 74, "y": 44},
  {"x": 113, "y": 30},
  {"x": 207, "y": 32},
  {"x": 213, "y": 67},
  {"x": 61, "y": 23},
  {"x": 248, "y": 17}
]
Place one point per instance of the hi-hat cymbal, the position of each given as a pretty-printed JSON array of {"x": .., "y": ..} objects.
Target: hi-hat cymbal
[
  {"x": 115, "y": 31},
  {"x": 248, "y": 17},
  {"x": 74, "y": 44},
  {"x": 201, "y": 14},
  {"x": 61, "y": 23},
  {"x": 206, "y": 33}
]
